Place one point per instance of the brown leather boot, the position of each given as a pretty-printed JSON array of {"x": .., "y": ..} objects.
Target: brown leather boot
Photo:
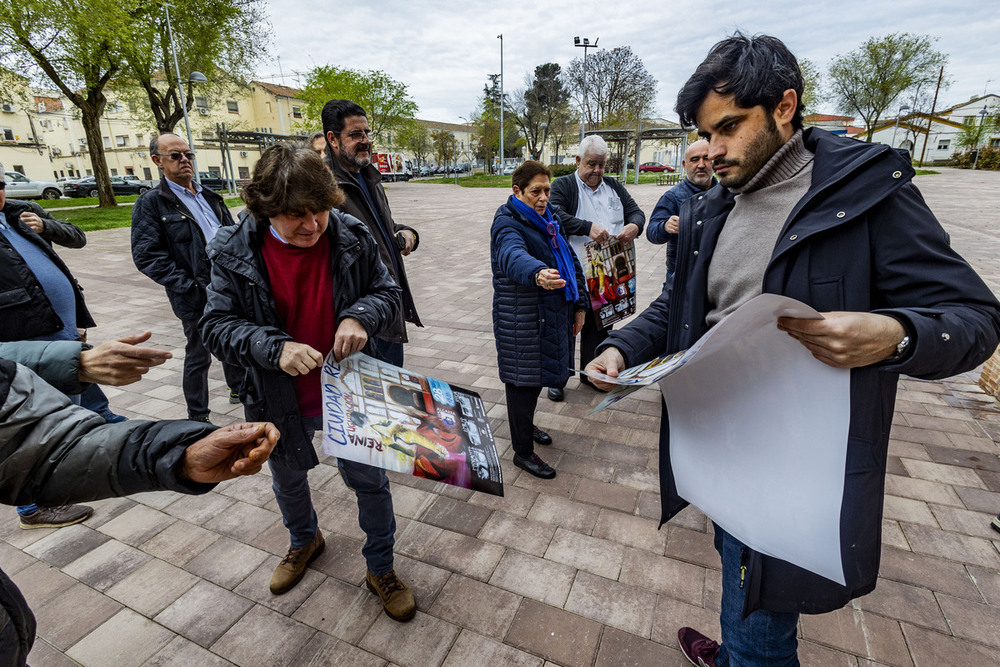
[
  {"x": 397, "y": 600},
  {"x": 293, "y": 567}
]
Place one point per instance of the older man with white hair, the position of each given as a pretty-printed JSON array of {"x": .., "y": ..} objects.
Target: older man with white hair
[{"x": 593, "y": 207}]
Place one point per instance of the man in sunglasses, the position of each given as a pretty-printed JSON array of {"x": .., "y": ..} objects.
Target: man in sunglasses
[
  {"x": 349, "y": 156},
  {"x": 171, "y": 225}
]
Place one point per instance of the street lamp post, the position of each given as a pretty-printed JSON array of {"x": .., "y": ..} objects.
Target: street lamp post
[
  {"x": 903, "y": 109},
  {"x": 585, "y": 44},
  {"x": 500, "y": 37},
  {"x": 196, "y": 77},
  {"x": 982, "y": 120}
]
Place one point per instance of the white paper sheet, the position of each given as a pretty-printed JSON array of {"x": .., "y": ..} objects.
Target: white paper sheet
[{"x": 758, "y": 436}]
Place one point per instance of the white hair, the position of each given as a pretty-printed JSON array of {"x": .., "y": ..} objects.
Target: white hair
[{"x": 593, "y": 144}]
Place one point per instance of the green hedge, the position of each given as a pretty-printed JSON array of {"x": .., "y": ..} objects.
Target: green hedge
[
  {"x": 989, "y": 158},
  {"x": 561, "y": 169}
]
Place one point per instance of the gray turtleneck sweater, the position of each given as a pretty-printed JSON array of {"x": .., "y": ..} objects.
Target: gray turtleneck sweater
[{"x": 747, "y": 241}]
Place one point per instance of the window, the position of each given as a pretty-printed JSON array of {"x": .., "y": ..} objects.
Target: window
[
  {"x": 296, "y": 112},
  {"x": 232, "y": 106},
  {"x": 268, "y": 105},
  {"x": 121, "y": 140},
  {"x": 83, "y": 142},
  {"x": 46, "y": 124},
  {"x": 116, "y": 107},
  {"x": 20, "y": 168},
  {"x": 200, "y": 102},
  {"x": 147, "y": 174},
  {"x": 244, "y": 172},
  {"x": 207, "y": 134},
  {"x": 139, "y": 138},
  {"x": 107, "y": 142},
  {"x": 114, "y": 172},
  {"x": 943, "y": 144},
  {"x": 995, "y": 143},
  {"x": 969, "y": 120},
  {"x": 8, "y": 133},
  {"x": 215, "y": 172},
  {"x": 130, "y": 171}
]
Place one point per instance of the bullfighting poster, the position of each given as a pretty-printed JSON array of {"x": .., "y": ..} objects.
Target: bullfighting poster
[
  {"x": 391, "y": 418},
  {"x": 610, "y": 272}
]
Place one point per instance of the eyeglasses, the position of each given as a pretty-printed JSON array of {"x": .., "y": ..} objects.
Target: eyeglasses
[
  {"x": 553, "y": 240},
  {"x": 358, "y": 135},
  {"x": 176, "y": 157}
]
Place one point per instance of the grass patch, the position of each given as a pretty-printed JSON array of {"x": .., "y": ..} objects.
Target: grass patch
[
  {"x": 93, "y": 218},
  {"x": 924, "y": 172},
  {"x": 82, "y": 201}
]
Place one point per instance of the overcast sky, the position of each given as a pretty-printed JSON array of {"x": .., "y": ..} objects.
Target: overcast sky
[{"x": 444, "y": 50}]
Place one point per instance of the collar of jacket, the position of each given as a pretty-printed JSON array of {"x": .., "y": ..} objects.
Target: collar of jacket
[
  {"x": 231, "y": 244},
  {"x": 849, "y": 178},
  {"x": 371, "y": 174},
  {"x": 214, "y": 199}
]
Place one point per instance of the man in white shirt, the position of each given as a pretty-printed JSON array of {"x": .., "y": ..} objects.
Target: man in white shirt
[{"x": 593, "y": 207}]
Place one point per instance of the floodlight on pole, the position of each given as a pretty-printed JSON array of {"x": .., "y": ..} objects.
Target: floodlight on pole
[
  {"x": 196, "y": 77},
  {"x": 585, "y": 44},
  {"x": 500, "y": 37},
  {"x": 982, "y": 120},
  {"x": 903, "y": 109}
]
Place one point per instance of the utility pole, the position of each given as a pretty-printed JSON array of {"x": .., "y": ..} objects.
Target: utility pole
[
  {"x": 585, "y": 44},
  {"x": 930, "y": 120},
  {"x": 500, "y": 37}
]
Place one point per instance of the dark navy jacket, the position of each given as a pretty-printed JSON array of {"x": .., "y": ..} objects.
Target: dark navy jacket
[
  {"x": 533, "y": 327},
  {"x": 241, "y": 325},
  {"x": 861, "y": 239},
  {"x": 670, "y": 205}
]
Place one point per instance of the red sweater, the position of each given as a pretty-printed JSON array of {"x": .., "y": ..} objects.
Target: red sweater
[{"x": 302, "y": 285}]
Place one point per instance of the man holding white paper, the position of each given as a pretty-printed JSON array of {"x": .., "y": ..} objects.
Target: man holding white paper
[{"x": 838, "y": 225}]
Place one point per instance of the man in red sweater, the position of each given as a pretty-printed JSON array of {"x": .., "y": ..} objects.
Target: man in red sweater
[{"x": 291, "y": 282}]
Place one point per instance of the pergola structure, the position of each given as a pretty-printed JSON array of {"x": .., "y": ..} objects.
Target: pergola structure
[{"x": 621, "y": 139}]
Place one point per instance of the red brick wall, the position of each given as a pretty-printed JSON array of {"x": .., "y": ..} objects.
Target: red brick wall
[{"x": 989, "y": 380}]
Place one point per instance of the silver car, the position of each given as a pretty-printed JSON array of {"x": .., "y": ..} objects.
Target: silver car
[{"x": 20, "y": 186}]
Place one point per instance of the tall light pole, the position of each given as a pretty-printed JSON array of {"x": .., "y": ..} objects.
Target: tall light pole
[
  {"x": 982, "y": 120},
  {"x": 500, "y": 37},
  {"x": 903, "y": 109},
  {"x": 585, "y": 44},
  {"x": 200, "y": 78}
]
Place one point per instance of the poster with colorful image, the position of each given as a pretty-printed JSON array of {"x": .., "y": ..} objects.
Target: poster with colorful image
[
  {"x": 610, "y": 272},
  {"x": 391, "y": 418}
]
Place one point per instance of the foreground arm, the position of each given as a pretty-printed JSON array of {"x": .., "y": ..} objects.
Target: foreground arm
[{"x": 52, "y": 230}]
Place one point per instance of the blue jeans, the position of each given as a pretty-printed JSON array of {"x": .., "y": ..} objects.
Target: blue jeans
[
  {"x": 765, "y": 637},
  {"x": 375, "y": 515},
  {"x": 386, "y": 351}
]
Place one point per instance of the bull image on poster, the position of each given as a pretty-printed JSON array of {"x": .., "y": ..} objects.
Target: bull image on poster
[{"x": 391, "y": 418}]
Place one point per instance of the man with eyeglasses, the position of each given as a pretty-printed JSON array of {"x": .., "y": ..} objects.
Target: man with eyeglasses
[
  {"x": 349, "y": 156},
  {"x": 171, "y": 226}
]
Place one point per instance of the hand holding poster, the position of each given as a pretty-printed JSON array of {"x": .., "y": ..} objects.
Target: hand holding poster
[
  {"x": 610, "y": 272},
  {"x": 388, "y": 417}
]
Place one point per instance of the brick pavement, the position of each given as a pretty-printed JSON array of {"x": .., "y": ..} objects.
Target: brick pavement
[{"x": 569, "y": 572}]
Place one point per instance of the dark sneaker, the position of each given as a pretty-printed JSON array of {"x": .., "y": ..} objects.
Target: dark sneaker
[
  {"x": 234, "y": 398},
  {"x": 397, "y": 600},
  {"x": 293, "y": 566},
  {"x": 697, "y": 648},
  {"x": 201, "y": 419},
  {"x": 556, "y": 394},
  {"x": 112, "y": 418},
  {"x": 996, "y": 523},
  {"x": 535, "y": 466},
  {"x": 56, "y": 517},
  {"x": 540, "y": 436}
]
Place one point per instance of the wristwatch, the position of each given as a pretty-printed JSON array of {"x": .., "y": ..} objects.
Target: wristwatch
[{"x": 900, "y": 349}]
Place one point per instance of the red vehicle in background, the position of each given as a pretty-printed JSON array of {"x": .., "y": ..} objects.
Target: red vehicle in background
[
  {"x": 654, "y": 166},
  {"x": 392, "y": 166}
]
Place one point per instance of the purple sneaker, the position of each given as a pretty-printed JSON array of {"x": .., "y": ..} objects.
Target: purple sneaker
[{"x": 697, "y": 648}]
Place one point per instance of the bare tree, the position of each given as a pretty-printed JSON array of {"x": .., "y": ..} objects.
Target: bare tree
[
  {"x": 619, "y": 90},
  {"x": 539, "y": 106}
]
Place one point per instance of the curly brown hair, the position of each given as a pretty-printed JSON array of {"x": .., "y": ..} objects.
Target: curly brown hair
[
  {"x": 527, "y": 171},
  {"x": 290, "y": 178}
]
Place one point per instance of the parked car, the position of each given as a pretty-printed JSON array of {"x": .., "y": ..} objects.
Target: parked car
[
  {"x": 20, "y": 186},
  {"x": 212, "y": 182},
  {"x": 87, "y": 187},
  {"x": 426, "y": 170},
  {"x": 654, "y": 166}
]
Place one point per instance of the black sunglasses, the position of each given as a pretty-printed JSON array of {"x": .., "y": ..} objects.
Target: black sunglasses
[{"x": 176, "y": 157}]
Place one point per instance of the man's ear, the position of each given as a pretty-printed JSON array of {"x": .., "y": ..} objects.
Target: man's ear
[{"x": 785, "y": 111}]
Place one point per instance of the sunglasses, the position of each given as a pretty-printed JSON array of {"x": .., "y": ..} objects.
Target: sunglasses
[{"x": 176, "y": 157}]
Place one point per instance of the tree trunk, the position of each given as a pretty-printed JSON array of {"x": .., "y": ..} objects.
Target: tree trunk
[{"x": 98, "y": 160}]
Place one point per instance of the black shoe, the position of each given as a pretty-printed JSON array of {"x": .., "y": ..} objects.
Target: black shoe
[
  {"x": 540, "y": 436},
  {"x": 556, "y": 394},
  {"x": 535, "y": 466},
  {"x": 234, "y": 398},
  {"x": 996, "y": 523}
]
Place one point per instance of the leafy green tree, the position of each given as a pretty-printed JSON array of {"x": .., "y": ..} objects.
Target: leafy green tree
[
  {"x": 385, "y": 100},
  {"x": 414, "y": 137},
  {"x": 222, "y": 39},
  {"x": 445, "y": 146},
  {"x": 868, "y": 80},
  {"x": 486, "y": 123},
  {"x": 540, "y": 105},
  {"x": 76, "y": 46},
  {"x": 976, "y": 130},
  {"x": 811, "y": 95}
]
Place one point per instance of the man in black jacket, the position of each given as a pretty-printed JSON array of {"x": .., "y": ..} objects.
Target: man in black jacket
[
  {"x": 838, "y": 225},
  {"x": 171, "y": 227},
  {"x": 349, "y": 156},
  {"x": 593, "y": 207}
]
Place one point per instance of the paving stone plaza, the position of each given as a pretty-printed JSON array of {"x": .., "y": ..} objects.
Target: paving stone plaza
[{"x": 571, "y": 571}]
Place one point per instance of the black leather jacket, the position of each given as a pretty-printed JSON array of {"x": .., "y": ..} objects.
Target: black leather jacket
[
  {"x": 169, "y": 246},
  {"x": 25, "y": 310}
]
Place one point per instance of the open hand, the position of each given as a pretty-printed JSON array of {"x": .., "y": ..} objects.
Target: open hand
[{"x": 119, "y": 362}]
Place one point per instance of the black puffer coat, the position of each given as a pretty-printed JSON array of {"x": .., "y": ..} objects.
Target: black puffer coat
[{"x": 241, "y": 325}]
